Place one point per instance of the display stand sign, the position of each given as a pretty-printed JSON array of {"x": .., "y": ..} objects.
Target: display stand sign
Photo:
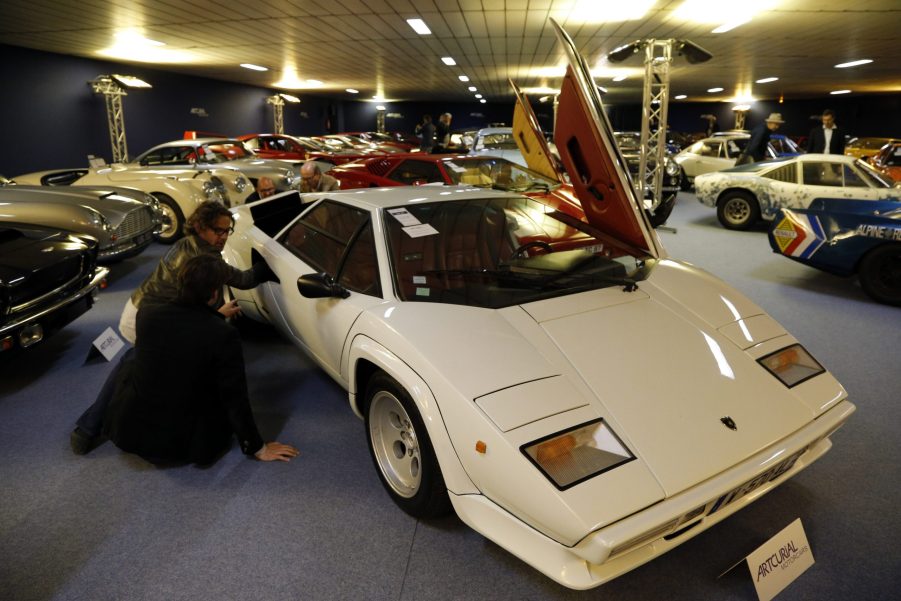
[
  {"x": 107, "y": 344},
  {"x": 776, "y": 563}
]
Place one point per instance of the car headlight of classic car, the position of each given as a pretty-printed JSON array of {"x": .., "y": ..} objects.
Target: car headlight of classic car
[
  {"x": 291, "y": 178},
  {"x": 240, "y": 184},
  {"x": 214, "y": 189},
  {"x": 574, "y": 455},
  {"x": 672, "y": 167},
  {"x": 792, "y": 365},
  {"x": 99, "y": 221},
  {"x": 152, "y": 202}
]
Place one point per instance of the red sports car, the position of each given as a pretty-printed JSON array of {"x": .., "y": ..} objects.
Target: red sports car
[
  {"x": 281, "y": 146},
  {"x": 383, "y": 139},
  {"x": 888, "y": 161},
  {"x": 413, "y": 169}
]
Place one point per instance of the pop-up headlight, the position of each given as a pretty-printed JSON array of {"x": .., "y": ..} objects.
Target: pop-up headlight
[
  {"x": 792, "y": 365},
  {"x": 572, "y": 456}
]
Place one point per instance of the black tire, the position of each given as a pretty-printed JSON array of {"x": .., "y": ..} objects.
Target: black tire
[
  {"x": 663, "y": 211},
  {"x": 401, "y": 450},
  {"x": 737, "y": 210},
  {"x": 880, "y": 274},
  {"x": 174, "y": 219}
]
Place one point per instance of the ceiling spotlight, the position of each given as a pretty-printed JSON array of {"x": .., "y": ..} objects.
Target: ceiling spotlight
[
  {"x": 478, "y": 95},
  {"x": 693, "y": 53},
  {"x": 129, "y": 81},
  {"x": 448, "y": 60},
  {"x": 620, "y": 77},
  {"x": 290, "y": 98},
  {"x": 862, "y": 61},
  {"x": 352, "y": 91},
  {"x": 472, "y": 88},
  {"x": 836, "y": 92},
  {"x": 253, "y": 67},
  {"x": 767, "y": 79},
  {"x": 380, "y": 107},
  {"x": 680, "y": 97},
  {"x": 419, "y": 26},
  {"x": 483, "y": 101},
  {"x": 715, "y": 90},
  {"x": 464, "y": 78}
]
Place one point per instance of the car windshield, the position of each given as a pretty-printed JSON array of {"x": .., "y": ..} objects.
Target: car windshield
[
  {"x": 499, "y": 252},
  {"x": 502, "y": 141},
  {"x": 496, "y": 173},
  {"x": 222, "y": 151},
  {"x": 874, "y": 177}
]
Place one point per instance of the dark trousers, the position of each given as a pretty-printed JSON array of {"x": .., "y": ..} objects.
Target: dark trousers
[{"x": 91, "y": 421}]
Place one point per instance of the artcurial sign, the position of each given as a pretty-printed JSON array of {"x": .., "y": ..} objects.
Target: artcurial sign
[{"x": 776, "y": 564}]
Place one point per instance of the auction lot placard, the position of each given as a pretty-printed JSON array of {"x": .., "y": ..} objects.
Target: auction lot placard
[{"x": 776, "y": 563}]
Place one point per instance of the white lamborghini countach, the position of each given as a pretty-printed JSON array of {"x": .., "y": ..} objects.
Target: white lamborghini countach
[{"x": 546, "y": 372}]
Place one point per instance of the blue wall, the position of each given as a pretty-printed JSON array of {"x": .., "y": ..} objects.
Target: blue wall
[{"x": 51, "y": 119}]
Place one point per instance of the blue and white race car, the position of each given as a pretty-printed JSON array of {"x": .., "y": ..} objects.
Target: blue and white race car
[{"x": 845, "y": 237}]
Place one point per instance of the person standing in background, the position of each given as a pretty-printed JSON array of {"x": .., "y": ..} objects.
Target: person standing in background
[{"x": 826, "y": 139}]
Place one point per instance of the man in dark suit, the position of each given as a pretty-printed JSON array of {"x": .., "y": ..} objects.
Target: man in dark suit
[
  {"x": 183, "y": 393},
  {"x": 826, "y": 139}
]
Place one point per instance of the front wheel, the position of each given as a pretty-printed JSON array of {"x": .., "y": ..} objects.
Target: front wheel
[
  {"x": 880, "y": 274},
  {"x": 737, "y": 210},
  {"x": 173, "y": 219},
  {"x": 401, "y": 450}
]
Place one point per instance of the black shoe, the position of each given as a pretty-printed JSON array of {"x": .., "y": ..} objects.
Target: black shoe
[{"x": 82, "y": 442}]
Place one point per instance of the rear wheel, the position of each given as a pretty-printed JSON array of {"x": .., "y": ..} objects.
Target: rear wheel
[
  {"x": 173, "y": 219},
  {"x": 737, "y": 210},
  {"x": 401, "y": 450},
  {"x": 880, "y": 274}
]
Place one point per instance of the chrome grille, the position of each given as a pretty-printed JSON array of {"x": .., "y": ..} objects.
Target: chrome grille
[{"x": 136, "y": 222}]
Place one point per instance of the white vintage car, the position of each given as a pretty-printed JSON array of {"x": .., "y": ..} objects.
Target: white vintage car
[
  {"x": 712, "y": 154},
  {"x": 745, "y": 194},
  {"x": 178, "y": 191},
  {"x": 575, "y": 395}
]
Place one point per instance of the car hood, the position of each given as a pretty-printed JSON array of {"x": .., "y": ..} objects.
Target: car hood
[
  {"x": 666, "y": 390},
  {"x": 112, "y": 202},
  {"x": 26, "y": 249}
]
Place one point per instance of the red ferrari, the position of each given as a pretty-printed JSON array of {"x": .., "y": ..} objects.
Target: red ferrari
[{"x": 281, "y": 146}]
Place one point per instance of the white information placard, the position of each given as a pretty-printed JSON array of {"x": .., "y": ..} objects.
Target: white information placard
[
  {"x": 418, "y": 231},
  {"x": 404, "y": 216},
  {"x": 777, "y": 562},
  {"x": 108, "y": 344}
]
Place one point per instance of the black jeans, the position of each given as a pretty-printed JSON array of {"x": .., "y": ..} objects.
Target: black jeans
[{"x": 91, "y": 421}]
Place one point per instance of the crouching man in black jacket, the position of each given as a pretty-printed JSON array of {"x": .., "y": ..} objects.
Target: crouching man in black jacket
[{"x": 183, "y": 393}]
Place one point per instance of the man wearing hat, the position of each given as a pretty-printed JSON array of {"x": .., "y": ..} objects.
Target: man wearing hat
[{"x": 760, "y": 139}]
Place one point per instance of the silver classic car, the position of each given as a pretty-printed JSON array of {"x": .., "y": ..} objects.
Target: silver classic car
[{"x": 122, "y": 221}]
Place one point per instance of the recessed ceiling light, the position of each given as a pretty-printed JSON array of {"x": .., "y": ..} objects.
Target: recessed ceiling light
[
  {"x": 862, "y": 61},
  {"x": 714, "y": 90},
  {"x": 478, "y": 95},
  {"x": 472, "y": 88},
  {"x": 767, "y": 79},
  {"x": 680, "y": 97},
  {"x": 840, "y": 92},
  {"x": 380, "y": 107},
  {"x": 419, "y": 26},
  {"x": 464, "y": 78},
  {"x": 448, "y": 60},
  {"x": 731, "y": 25},
  {"x": 253, "y": 67},
  {"x": 483, "y": 101},
  {"x": 620, "y": 77},
  {"x": 352, "y": 91}
]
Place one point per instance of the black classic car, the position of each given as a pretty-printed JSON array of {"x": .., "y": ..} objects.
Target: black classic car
[
  {"x": 47, "y": 279},
  {"x": 630, "y": 145}
]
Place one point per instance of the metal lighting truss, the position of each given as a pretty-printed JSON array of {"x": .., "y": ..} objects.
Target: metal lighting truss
[
  {"x": 278, "y": 112},
  {"x": 654, "y": 107},
  {"x": 115, "y": 118}
]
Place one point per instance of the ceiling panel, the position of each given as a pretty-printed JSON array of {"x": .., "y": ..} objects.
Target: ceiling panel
[{"x": 366, "y": 44}]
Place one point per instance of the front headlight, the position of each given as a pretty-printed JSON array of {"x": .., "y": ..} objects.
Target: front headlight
[
  {"x": 572, "y": 456},
  {"x": 290, "y": 178},
  {"x": 792, "y": 365},
  {"x": 240, "y": 183},
  {"x": 152, "y": 202},
  {"x": 672, "y": 167},
  {"x": 214, "y": 189},
  {"x": 98, "y": 220}
]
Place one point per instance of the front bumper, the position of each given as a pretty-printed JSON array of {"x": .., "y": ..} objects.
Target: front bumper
[
  {"x": 618, "y": 548},
  {"x": 129, "y": 247},
  {"x": 49, "y": 319}
]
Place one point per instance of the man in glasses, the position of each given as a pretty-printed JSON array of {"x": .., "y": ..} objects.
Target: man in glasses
[
  {"x": 312, "y": 179},
  {"x": 206, "y": 232},
  {"x": 265, "y": 188}
]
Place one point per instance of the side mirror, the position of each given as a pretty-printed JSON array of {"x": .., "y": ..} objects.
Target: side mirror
[{"x": 320, "y": 285}]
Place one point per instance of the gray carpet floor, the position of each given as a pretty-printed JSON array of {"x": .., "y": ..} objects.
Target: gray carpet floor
[{"x": 110, "y": 526}]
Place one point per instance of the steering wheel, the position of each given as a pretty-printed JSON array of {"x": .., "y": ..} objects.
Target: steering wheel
[{"x": 517, "y": 254}]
